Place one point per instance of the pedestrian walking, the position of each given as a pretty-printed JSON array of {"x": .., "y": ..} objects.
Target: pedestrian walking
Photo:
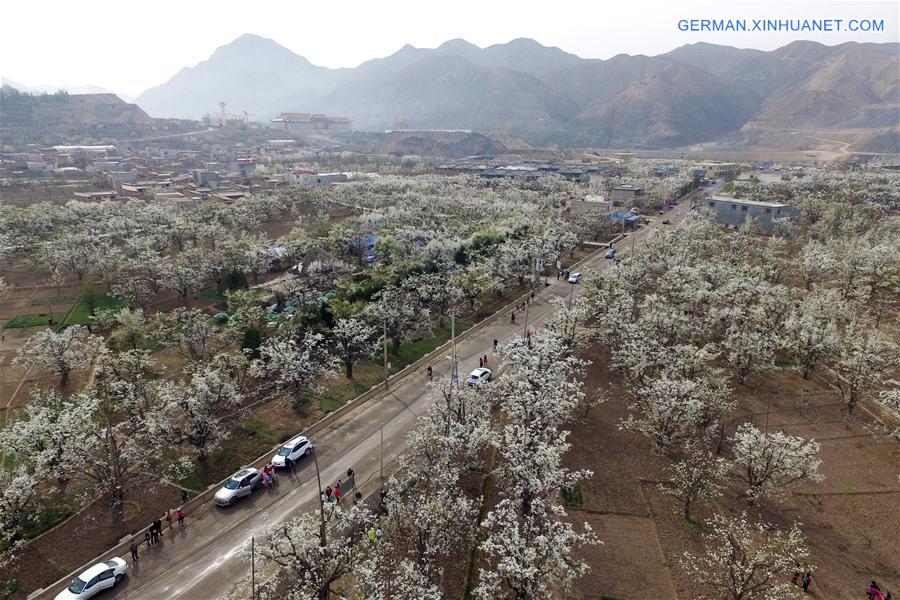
[
  {"x": 371, "y": 535},
  {"x": 485, "y": 360},
  {"x": 289, "y": 463},
  {"x": 148, "y": 538},
  {"x": 807, "y": 579},
  {"x": 156, "y": 530},
  {"x": 480, "y": 362},
  {"x": 512, "y": 318},
  {"x": 133, "y": 548},
  {"x": 378, "y": 534},
  {"x": 532, "y": 296},
  {"x": 795, "y": 578},
  {"x": 168, "y": 519},
  {"x": 180, "y": 514},
  {"x": 430, "y": 373},
  {"x": 184, "y": 497},
  {"x": 351, "y": 475},
  {"x": 328, "y": 493},
  {"x": 337, "y": 494},
  {"x": 495, "y": 345}
]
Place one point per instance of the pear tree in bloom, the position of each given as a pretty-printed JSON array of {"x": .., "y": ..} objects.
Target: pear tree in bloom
[
  {"x": 441, "y": 293},
  {"x": 429, "y": 515},
  {"x": 865, "y": 356},
  {"x": 697, "y": 477},
  {"x": 747, "y": 561},
  {"x": 889, "y": 400},
  {"x": 749, "y": 348},
  {"x": 399, "y": 313},
  {"x": 17, "y": 509},
  {"x": 816, "y": 263},
  {"x": 670, "y": 410},
  {"x": 475, "y": 281},
  {"x": 293, "y": 364},
  {"x": 314, "y": 554},
  {"x": 570, "y": 321},
  {"x": 111, "y": 445},
  {"x": 527, "y": 542},
  {"x": 72, "y": 349},
  {"x": 128, "y": 325},
  {"x": 530, "y": 555},
  {"x": 811, "y": 332},
  {"x": 385, "y": 576},
  {"x": 41, "y": 439},
  {"x": 351, "y": 340},
  {"x": 193, "y": 333},
  {"x": 770, "y": 462},
  {"x": 191, "y": 412}
]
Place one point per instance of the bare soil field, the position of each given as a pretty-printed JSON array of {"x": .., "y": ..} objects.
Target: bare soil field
[{"x": 850, "y": 520}]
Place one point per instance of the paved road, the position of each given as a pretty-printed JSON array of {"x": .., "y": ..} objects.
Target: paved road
[{"x": 204, "y": 560}]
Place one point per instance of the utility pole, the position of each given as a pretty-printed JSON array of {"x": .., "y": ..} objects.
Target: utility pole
[
  {"x": 252, "y": 568},
  {"x": 381, "y": 465},
  {"x": 321, "y": 501},
  {"x": 385, "y": 355},
  {"x": 454, "y": 367},
  {"x": 571, "y": 293}
]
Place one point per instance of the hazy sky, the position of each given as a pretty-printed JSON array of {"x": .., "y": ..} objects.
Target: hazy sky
[{"x": 128, "y": 46}]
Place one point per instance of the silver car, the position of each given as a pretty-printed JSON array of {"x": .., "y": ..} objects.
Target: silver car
[{"x": 241, "y": 484}]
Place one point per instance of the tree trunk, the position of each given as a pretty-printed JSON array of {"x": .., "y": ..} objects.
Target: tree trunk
[
  {"x": 349, "y": 365},
  {"x": 64, "y": 379}
]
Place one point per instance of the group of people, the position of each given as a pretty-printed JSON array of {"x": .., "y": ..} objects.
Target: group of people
[
  {"x": 374, "y": 534},
  {"x": 520, "y": 306},
  {"x": 875, "y": 593},
  {"x": 482, "y": 362},
  {"x": 268, "y": 474},
  {"x": 562, "y": 275},
  {"x": 154, "y": 533},
  {"x": 803, "y": 581},
  {"x": 333, "y": 494}
]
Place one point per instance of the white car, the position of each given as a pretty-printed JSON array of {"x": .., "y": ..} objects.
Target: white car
[
  {"x": 575, "y": 278},
  {"x": 101, "y": 576},
  {"x": 239, "y": 485},
  {"x": 295, "y": 449},
  {"x": 478, "y": 376}
]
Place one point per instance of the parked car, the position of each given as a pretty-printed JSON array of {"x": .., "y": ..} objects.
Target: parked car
[
  {"x": 295, "y": 449},
  {"x": 241, "y": 484},
  {"x": 478, "y": 376},
  {"x": 575, "y": 278},
  {"x": 101, "y": 576},
  {"x": 666, "y": 222},
  {"x": 611, "y": 253}
]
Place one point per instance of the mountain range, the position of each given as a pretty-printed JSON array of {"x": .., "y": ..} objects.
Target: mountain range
[{"x": 546, "y": 96}]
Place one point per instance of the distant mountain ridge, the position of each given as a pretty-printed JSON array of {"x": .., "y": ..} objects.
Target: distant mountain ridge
[{"x": 544, "y": 95}]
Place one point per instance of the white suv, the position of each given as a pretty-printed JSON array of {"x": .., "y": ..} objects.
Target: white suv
[
  {"x": 478, "y": 376},
  {"x": 295, "y": 449}
]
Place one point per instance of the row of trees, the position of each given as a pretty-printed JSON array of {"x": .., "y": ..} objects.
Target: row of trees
[
  {"x": 516, "y": 431},
  {"x": 698, "y": 310}
]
